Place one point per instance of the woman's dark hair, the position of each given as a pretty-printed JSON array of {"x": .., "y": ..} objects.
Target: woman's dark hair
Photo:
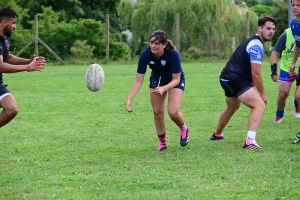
[
  {"x": 7, "y": 13},
  {"x": 262, "y": 21},
  {"x": 162, "y": 37}
]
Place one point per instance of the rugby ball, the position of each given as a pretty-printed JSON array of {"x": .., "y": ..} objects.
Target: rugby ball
[{"x": 94, "y": 77}]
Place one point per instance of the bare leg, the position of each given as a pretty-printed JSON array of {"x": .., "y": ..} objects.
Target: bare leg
[
  {"x": 10, "y": 109},
  {"x": 174, "y": 101},
  {"x": 225, "y": 116},
  {"x": 284, "y": 92},
  {"x": 253, "y": 100}
]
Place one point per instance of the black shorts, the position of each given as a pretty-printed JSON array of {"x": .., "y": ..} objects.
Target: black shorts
[
  {"x": 235, "y": 88},
  {"x": 155, "y": 83},
  {"x": 3, "y": 89}
]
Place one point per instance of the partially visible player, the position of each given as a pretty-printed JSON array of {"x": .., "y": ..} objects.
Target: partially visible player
[
  {"x": 11, "y": 64},
  {"x": 284, "y": 46},
  {"x": 295, "y": 27},
  {"x": 241, "y": 80}
]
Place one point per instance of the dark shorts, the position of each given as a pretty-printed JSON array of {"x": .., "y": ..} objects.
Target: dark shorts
[
  {"x": 3, "y": 89},
  {"x": 156, "y": 82},
  {"x": 235, "y": 88}
]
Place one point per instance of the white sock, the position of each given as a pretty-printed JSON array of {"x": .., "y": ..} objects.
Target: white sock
[{"x": 251, "y": 134}]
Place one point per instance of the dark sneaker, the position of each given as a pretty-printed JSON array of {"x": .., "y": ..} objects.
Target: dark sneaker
[
  {"x": 296, "y": 141},
  {"x": 253, "y": 145},
  {"x": 296, "y": 137},
  {"x": 214, "y": 137},
  {"x": 184, "y": 137}
]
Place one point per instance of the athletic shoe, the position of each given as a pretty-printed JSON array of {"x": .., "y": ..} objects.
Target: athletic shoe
[
  {"x": 296, "y": 112},
  {"x": 184, "y": 137},
  {"x": 162, "y": 146},
  {"x": 214, "y": 137},
  {"x": 278, "y": 119},
  {"x": 296, "y": 137},
  {"x": 253, "y": 145},
  {"x": 296, "y": 141}
]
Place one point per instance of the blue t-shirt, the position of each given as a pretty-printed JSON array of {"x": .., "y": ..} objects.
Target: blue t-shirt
[
  {"x": 295, "y": 26},
  {"x": 4, "y": 49},
  {"x": 239, "y": 65},
  {"x": 164, "y": 67}
]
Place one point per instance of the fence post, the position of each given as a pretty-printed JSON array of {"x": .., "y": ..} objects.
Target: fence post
[
  {"x": 247, "y": 25},
  {"x": 36, "y": 35},
  {"x": 107, "y": 37},
  {"x": 178, "y": 32}
]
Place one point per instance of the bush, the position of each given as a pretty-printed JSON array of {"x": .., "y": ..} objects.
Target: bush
[{"x": 81, "y": 52}]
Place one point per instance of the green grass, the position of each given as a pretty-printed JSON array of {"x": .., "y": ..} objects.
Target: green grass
[{"x": 70, "y": 143}]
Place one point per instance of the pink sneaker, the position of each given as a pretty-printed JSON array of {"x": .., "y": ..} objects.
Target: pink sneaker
[
  {"x": 184, "y": 137},
  {"x": 162, "y": 146}
]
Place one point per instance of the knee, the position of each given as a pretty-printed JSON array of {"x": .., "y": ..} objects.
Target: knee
[
  {"x": 283, "y": 95},
  {"x": 11, "y": 111},
  {"x": 158, "y": 115},
  {"x": 231, "y": 110},
  {"x": 173, "y": 114},
  {"x": 262, "y": 106}
]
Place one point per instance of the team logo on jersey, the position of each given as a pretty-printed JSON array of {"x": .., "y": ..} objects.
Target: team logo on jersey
[
  {"x": 255, "y": 53},
  {"x": 151, "y": 63},
  {"x": 7, "y": 44},
  {"x": 163, "y": 62}
]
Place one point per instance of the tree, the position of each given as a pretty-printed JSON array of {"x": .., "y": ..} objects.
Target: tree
[
  {"x": 86, "y": 9},
  {"x": 208, "y": 25},
  {"x": 281, "y": 16}
]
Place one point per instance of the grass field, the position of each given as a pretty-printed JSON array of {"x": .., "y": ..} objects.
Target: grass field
[{"x": 70, "y": 143}]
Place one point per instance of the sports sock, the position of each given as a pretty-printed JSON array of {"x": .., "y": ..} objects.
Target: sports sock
[
  {"x": 219, "y": 134},
  {"x": 183, "y": 127},
  {"x": 295, "y": 102},
  {"x": 250, "y": 136},
  {"x": 162, "y": 138},
  {"x": 279, "y": 113}
]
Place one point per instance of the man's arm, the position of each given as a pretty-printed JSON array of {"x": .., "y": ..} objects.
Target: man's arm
[
  {"x": 294, "y": 60},
  {"x": 274, "y": 60},
  {"x": 35, "y": 65},
  {"x": 10, "y": 68},
  {"x": 14, "y": 60}
]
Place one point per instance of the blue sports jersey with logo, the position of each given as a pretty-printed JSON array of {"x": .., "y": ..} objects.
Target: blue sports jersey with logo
[
  {"x": 295, "y": 27},
  {"x": 163, "y": 67},
  {"x": 239, "y": 65}
]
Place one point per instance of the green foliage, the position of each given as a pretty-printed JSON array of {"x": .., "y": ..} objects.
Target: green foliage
[
  {"x": 60, "y": 36},
  {"x": 208, "y": 24},
  {"x": 253, "y": 2},
  {"x": 280, "y": 14},
  {"x": 262, "y": 10},
  {"x": 74, "y": 9},
  {"x": 125, "y": 11},
  {"x": 81, "y": 52}
]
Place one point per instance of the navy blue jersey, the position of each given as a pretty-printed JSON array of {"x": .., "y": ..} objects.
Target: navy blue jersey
[
  {"x": 239, "y": 65},
  {"x": 164, "y": 67},
  {"x": 4, "y": 49},
  {"x": 295, "y": 26}
]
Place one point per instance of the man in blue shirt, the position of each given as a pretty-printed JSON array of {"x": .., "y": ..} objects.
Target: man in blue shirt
[{"x": 241, "y": 80}]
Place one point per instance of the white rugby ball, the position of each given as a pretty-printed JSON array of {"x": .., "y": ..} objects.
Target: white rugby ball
[{"x": 94, "y": 77}]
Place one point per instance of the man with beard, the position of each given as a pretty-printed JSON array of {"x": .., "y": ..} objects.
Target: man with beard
[
  {"x": 12, "y": 64},
  {"x": 241, "y": 80}
]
